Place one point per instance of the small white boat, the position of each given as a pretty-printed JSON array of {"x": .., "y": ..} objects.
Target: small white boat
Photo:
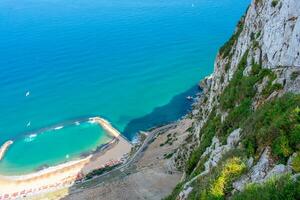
[{"x": 27, "y": 93}]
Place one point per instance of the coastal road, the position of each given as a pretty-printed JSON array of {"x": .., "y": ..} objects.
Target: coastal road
[
  {"x": 147, "y": 141},
  {"x": 151, "y": 135}
]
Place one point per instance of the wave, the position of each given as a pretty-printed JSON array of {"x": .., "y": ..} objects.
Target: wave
[
  {"x": 58, "y": 127},
  {"x": 30, "y": 137},
  {"x": 135, "y": 139},
  {"x": 91, "y": 121}
]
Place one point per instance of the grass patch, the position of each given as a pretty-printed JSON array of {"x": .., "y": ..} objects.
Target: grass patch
[{"x": 296, "y": 163}]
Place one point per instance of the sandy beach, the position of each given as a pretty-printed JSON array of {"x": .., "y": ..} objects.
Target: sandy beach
[{"x": 64, "y": 175}]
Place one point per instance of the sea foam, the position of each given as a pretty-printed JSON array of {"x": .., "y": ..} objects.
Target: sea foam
[
  {"x": 30, "y": 137},
  {"x": 58, "y": 127}
]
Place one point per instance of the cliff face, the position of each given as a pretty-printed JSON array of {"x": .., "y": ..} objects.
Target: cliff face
[
  {"x": 272, "y": 36},
  {"x": 248, "y": 116}
]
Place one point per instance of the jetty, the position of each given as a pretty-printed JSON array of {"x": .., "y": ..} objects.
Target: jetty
[
  {"x": 4, "y": 148},
  {"x": 106, "y": 126}
]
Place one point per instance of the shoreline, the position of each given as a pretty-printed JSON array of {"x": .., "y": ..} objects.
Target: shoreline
[
  {"x": 148, "y": 171},
  {"x": 66, "y": 174}
]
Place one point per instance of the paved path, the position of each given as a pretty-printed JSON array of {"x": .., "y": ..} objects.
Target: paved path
[{"x": 130, "y": 161}]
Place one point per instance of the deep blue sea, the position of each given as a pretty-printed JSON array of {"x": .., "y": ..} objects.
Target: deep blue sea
[{"x": 132, "y": 62}]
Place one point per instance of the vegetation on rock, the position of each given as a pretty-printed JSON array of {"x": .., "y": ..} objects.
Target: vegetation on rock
[{"x": 276, "y": 189}]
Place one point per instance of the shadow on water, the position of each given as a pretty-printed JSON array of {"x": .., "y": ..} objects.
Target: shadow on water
[{"x": 175, "y": 109}]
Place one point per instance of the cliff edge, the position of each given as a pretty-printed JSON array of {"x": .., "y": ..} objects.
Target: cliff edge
[{"x": 245, "y": 139}]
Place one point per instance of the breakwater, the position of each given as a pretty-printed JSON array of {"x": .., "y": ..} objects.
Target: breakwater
[{"x": 4, "y": 148}]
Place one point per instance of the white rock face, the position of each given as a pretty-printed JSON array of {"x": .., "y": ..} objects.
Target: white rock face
[
  {"x": 281, "y": 33},
  {"x": 257, "y": 172},
  {"x": 277, "y": 170},
  {"x": 184, "y": 193},
  {"x": 279, "y": 29},
  {"x": 216, "y": 150}
]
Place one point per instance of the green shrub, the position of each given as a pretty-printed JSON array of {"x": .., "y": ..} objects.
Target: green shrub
[
  {"x": 200, "y": 168},
  {"x": 242, "y": 87},
  {"x": 282, "y": 188},
  {"x": 275, "y": 124},
  {"x": 252, "y": 36},
  {"x": 222, "y": 185},
  {"x": 250, "y": 146},
  {"x": 270, "y": 88},
  {"x": 257, "y": 2},
  {"x": 98, "y": 172},
  {"x": 294, "y": 75},
  {"x": 218, "y": 183},
  {"x": 296, "y": 163},
  {"x": 168, "y": 155},
  {"x": 258, "y": 34},
  {"x": 256, "y": 68},
  {"x": 274, "y": 3},
  {"x": 281, "y": 147},
  {"x": 234, "y": 120},
  {"x": 207, "y": 132},
  {"x": 222, "y": 79},
  {"x": 255, "y": 44},
  {"x": 227, "y": 66},
  {"x": 232, "y": 91}
]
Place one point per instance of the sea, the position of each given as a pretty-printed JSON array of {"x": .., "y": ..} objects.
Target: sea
[{"x": 132, "y": 62}]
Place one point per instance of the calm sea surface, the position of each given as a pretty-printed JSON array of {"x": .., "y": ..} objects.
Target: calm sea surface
[{"x": 131, "y": 61}]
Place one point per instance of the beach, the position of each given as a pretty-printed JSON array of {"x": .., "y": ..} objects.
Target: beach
[{"x": 66, "y": 174}]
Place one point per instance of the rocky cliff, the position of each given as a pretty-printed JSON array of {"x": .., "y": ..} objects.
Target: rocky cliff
[{"x": 246, "y": 131}]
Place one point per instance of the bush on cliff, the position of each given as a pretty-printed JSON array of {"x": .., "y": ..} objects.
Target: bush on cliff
[
  {"x": 275, "y": 189},
  {"x": 275, "y": 124}
]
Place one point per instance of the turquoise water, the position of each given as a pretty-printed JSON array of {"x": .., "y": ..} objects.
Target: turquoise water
[
  {"x": 40, "y": 149},
  {"x": 131, "y": 61}
]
